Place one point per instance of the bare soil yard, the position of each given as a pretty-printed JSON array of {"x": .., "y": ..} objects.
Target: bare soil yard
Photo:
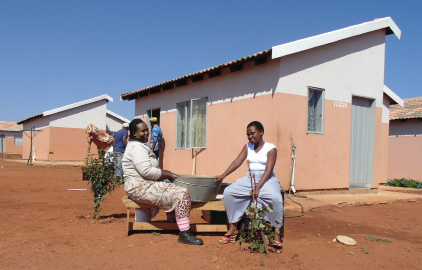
[{"x": 45, "y": 226}]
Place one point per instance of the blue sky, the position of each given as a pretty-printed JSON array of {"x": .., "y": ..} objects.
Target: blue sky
[{"x": 54, "y": 53}]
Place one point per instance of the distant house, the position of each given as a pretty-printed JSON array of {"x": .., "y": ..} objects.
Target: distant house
[
  {"x": 405, "y": 141},
  {"x": 10, "y": 138},
  {"x": 325, "y": 92},
  {"x": 61, "y": 133}
]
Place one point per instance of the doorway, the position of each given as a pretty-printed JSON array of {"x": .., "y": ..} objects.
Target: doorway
[{"x": 362, "y": 143}]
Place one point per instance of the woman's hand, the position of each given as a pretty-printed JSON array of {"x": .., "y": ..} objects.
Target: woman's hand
[
  {"x": 255, "y": 192},
  {"x": 219, "y": 178},
  {"x": 165, "y": 174}
]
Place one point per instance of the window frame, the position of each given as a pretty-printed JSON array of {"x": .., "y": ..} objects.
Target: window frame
[
  {"x": 187, "y": 116},
  {"x": 316, "y": 89},
  {"x": 14, "y": 140}
]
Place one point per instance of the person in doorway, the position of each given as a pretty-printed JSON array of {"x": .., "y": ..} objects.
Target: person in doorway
[
  {"x": 119, "y": 146},
  {"x": 238, "y": 196},
  {"x": 157, "y": 135},
  {"x": 145, "y": 182}
]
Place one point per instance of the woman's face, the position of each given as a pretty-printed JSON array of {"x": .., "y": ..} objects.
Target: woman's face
[
  {"x": 142, "y": 132},
  {"x": 254, "y": 134}
]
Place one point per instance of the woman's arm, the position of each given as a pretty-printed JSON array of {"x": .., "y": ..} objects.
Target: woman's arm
[
  {"x": 234, "y": 165},
  {"x": 271, "y": 159}
]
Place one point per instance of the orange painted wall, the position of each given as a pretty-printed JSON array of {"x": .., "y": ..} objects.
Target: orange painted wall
[
  {"x": 405, "y": 156},
  {"x": 11, "y": 147},
  {"x": 55, "y": 143},
  {"x": 40, "y": 142},
  {"x": 69, "y": 144},
  {"x": 322, "y": 159}
]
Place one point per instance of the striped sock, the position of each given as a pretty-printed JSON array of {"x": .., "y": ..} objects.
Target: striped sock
[{"x": 183, "y": 223}]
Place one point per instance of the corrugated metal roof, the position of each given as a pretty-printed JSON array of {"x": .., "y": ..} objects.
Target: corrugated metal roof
[
  {"x": 194, "y": 76},
  {"x": 10, "y": 126},
  {"x": 412, "y": 109}
]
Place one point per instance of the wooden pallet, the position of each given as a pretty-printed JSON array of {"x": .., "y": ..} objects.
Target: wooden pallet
[{"x": 217, "y": 205}]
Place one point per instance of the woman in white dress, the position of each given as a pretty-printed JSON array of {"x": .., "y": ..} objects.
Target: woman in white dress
[{"x": 262, "y": 157}]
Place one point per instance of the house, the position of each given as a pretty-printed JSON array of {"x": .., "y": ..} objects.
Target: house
[
  {"x": 10, "y": 139},
  {"x": 59, "y": 134},
  {"x": 405, "y": 141},
  {"x": 326, "y": 93}
]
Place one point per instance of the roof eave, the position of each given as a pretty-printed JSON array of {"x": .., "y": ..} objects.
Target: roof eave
[
  {"x": 393, "y": 96},
  {"x": 118, "y": 116},
  {"x": 333, "y": 36},
  {"x": 158, "y": 87},
  {"x": 29, "y": 119}
]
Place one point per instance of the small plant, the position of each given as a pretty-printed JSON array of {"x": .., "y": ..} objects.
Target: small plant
[
  {"x": 403, "y": 182},
  {"x": 261, "y": 262},
  {"x": 258, "y": 232},
  {"x": 407, "y": 228},
  {"x": 252, "y": 234},
  {"x": 349, "y": 225},
  {"x": 156, "y": 234},
  {"x": 375, "y": 239},
  {"x": 100, "y": 173},
  {"x": 363, "y": 250}
]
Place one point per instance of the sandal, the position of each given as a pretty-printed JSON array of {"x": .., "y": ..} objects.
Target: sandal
[
  {"x": 228, "y": 238},
  {"x": 277, "y": 244}
]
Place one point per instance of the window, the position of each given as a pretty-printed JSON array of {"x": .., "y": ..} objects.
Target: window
[
  {"x": 191, "y": 124},
  {"x": 315, "y": 110},
  {"x": 17, "y": 140}
]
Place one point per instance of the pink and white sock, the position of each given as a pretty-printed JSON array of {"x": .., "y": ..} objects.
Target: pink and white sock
[{"x": 183, "y": 223}]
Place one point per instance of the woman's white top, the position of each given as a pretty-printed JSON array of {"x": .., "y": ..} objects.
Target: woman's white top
[
  {"x": 139, "y": 162},
  {"x": 258, "y": 161}
]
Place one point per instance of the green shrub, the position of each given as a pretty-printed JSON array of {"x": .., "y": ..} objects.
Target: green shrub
[
  {"x": 100, "y": 173},
  {"x": 403, "y": 182}
]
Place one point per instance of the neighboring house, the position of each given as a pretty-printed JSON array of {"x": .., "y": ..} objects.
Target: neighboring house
[
  {"x": 10, "y": 138},
  {"x": 60, "y": 133},
  {"x": 326, "y": 92},
  {"x": 405, "y": 141}
]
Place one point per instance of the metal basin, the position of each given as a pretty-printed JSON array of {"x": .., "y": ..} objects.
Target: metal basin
[{"x": 202, "y": 188}]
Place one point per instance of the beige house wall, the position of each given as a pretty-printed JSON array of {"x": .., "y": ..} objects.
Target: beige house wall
[
  {"x": 55, "y": 143},
  {"x": 405, "y": 149},
  {"x": 405, "y": 157},
  {"x": 275, "y": 93},
  {"x": 322, "y": 159},
  {"x": 11, "y": 147}
]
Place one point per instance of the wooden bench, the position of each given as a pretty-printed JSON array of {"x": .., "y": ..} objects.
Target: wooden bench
[{"x": 217, "y": 205}]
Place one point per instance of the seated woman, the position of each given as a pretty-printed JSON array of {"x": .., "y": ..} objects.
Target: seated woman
[
  {"x": 144, "y": 181},
  {"x": 238, "y": 196}
]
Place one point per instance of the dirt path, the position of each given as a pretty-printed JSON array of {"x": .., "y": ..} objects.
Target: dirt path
[{"x": 45, "y": 226}]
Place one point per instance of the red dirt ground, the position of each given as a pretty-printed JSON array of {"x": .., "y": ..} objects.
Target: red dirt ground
[{"x": 45, "y": 226}]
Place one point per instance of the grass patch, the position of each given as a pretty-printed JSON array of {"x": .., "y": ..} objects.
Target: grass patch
[
  {"x": 407, "y": 228},
  {"x": 155, "y": 234},
  {"x": 376, "y": 239}
]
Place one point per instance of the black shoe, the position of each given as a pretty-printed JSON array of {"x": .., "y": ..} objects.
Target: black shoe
[{"x": 186, "y": 237}]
